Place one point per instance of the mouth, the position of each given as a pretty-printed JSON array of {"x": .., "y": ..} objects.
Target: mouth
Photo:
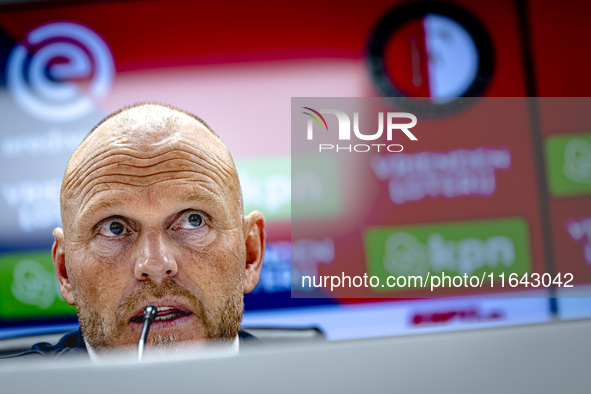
[{"x": 165, "y": 313}]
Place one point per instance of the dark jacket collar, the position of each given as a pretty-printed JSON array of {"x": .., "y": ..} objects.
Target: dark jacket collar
[{"x": 73, "y": 344}]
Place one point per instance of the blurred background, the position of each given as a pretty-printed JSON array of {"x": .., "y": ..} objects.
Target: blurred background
[{"x": 64, "y": 65}]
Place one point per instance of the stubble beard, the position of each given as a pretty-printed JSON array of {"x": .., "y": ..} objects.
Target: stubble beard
[{"x": 220, "y": 327}]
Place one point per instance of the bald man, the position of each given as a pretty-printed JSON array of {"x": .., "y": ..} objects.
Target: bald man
[{"x": 152, "y": 213}]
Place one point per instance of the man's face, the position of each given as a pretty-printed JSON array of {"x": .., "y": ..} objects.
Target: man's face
[{"x": 155, "y": 218}]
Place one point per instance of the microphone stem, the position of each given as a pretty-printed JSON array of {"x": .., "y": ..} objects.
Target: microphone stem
[{"x": 149, "y": 316}]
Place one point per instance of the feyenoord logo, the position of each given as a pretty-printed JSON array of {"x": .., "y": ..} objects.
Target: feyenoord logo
[{"x": 430, "y": 50}]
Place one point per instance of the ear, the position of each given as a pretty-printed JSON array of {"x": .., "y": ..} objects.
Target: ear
[
  {"x": 255, "y": 237},
  {"x": 59, "y": 264}
]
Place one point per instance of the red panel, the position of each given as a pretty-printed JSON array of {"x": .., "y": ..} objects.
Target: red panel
[
  {"x": 559, "y": 116},
  {"x": 172, "y": 33},
  {"x": 560, "y": 35}
]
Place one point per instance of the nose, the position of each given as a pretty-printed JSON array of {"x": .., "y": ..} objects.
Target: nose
[{"x": 155, "y": 260}]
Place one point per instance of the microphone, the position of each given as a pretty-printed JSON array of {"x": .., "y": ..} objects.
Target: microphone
[{"x": 149, "y": 316}]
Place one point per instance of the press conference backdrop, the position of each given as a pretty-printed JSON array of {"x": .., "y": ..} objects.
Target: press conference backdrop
[{"x": 64, "y": 66}]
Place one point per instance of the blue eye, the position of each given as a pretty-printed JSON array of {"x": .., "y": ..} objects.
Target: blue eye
[
  {"x": 112, "y": 228},
  {"x": 195, "y": 220},
  {"x": 116, "y": 228},
  {"x": 191, "y": 220}
]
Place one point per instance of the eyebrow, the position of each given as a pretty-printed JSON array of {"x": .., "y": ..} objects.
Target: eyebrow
[
  {"x": 110, "y": 202},
  {"x": 201, "y": 195},
  {"x": 100, "y": 205}
]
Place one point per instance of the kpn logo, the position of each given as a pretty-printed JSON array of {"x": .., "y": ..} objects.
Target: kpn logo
[
  {"x": 496, "y": 246},
  {"x": 395, "y": 122}
]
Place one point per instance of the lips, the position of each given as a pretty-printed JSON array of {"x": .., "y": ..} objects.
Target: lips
[
  {"x": 164, "y": 313},
  {"x": 166, "y": 310}
]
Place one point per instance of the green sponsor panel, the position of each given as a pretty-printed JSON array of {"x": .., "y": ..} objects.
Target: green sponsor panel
[
  {"x": 471, "y": 247},
  {"x": 28, "y": 287},
  {"x": 569, "y": 164},
  {"x": 305, "y": 186},
  {"x": 266, "y": 186},
  {"x": 315, "y": 186}
]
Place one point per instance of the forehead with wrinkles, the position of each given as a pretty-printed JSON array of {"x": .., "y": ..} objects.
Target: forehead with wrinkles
[{"x": 147, "y": 146}]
